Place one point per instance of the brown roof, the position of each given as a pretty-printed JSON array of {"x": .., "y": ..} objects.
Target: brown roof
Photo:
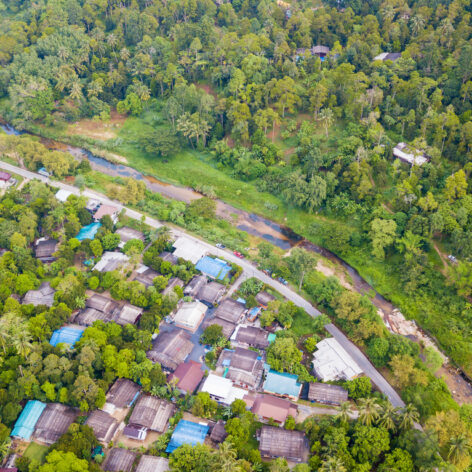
[
  {"x": 276, "y": 442},
  {"x": 228, "y": 327},
  {"x": 105, "y": 210},
  {"x": 268, "y": 406},
  {"x": 189, "y": 375},
  {"x": 245, "y": 367},
  {"x": 153, "y": 464},
  {"x": 173, "y": 282},
  {"x": 264, "y": 298},
  {"x": 54, "y": 422},
  {"x": 44, "y": 250},
  {"x": 101, "y": 303},
  {"x": 122, "y": 393},
  {"x": 169, "y": 257},
  {"x": 88, "y": 316},
  {"x": 104, "y": 425},
  {"x": 252, "y": 336},
  {"x": 152, "y": 413},
  {"x": 326, "y": 393},
  {"x": 119, "y": 460},
  {"x": 320, "y": 50},
  {"x": 128, "y": 314},
  {"x": 147, "y": 277},
  {"x": 211, "y": 292},
  {"x": 230, "y": 310},
  {"x": 43, "y": 296},
  {"x": 171, "y": 348},
  {"x": 127, "y": 234},
  {"x": 195, "y": 285},
  {"x": 218, "y": 432}
]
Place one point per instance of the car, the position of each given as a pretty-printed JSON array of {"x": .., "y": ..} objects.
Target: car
[
  {"x": 220, "y": 246},
  {"x": 282, "y": 281},
  {"x": 238, "y": 254},
  {"x": 452, "y": 258}
]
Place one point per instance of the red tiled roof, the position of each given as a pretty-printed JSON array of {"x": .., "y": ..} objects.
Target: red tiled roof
[
  {"x": 268, "y": 406},
  {"x": 189, "y": 374}
]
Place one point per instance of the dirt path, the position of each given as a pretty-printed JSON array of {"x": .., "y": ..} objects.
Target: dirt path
[{"x": 443, "y": 260}]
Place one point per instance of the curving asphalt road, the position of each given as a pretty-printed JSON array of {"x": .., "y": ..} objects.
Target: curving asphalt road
[{"x": 249, "y": 270}]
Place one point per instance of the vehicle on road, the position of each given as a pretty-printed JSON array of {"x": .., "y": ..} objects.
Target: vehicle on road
[
  {"x": 282, "y": 281},
  {"x": 238, "y": 254},
  {"x": 220, "y": 246}
]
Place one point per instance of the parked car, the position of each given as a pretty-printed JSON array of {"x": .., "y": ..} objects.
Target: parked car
[
  {"x": 220, "y": 246},
  {"x": 282, "y": 281},
  {"x": 238, "y": 254},
  {"x": 452, "y": 258}
]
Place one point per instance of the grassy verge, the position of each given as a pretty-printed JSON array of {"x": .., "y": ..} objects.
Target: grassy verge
[{"x": 36, "y": 452}]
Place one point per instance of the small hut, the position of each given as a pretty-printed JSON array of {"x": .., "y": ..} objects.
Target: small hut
[
  {"x": 218, "y": 433},
  {"x": 119, "y": 460}
]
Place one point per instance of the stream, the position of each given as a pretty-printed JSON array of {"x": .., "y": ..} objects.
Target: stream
[{"x": 255, "y": 225}]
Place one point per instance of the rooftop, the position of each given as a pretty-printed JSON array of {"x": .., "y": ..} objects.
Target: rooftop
[
  {"x": 111, "y": 261},
  {"x": 153, "y": 464},
  {"x": 388, "y": 56},
  {"x": 268, "y": 406},
  {"x": 152, "y": 413},
  {"x": 409, "y": 154},
  {"x": 45, "y": 248},
  {"x": 126, "y": 234},
  {"x": 195, "y": 285},
  {"x": 105, "y": 210},
  {"x": 264, "y": 298},
  {"x": 222, "y": 389},
  {"x": 327, "y": 393},
  {"x": 128, "y": 314},
  {"x": 43, "y": 296},
  {"x": 218, "y": 432},
  {"x": 173, "y": 282},
  {"x": 189, "y": 249},
  {"x": 278, "y": 442},
  {"x": 62, "y": 195},
  {"x": 189, "y": 375},
  {"x": 103, "y": 424},
  {"x": 227, "y": 327},
  {"x": 146, "y": 275},
  {"x": 210, "y": 293},
  {"x": 252, "y": 336},
  {"x": 230, "y": 310},
  {"x": 190, "y": 315},
  {"x": 119, "y": 460},
  {"x": 27, "y": 420},
  {"x": 169, "y": 257},
  {"x": 123, "y": 393},
  {"x": 213, "y": 267},
  {"x": 187, "y": 432},
  {"x": 67, "y": 334},
  {"x": 282, "y": 384},
  {"x": 54, "y": 422},
  {"x": 171, "y": 348}
]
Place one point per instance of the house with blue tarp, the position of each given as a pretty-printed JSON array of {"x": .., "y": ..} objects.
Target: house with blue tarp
[
  {"x": 67, "y": 335},
  {"x": 282, "y": 384},
  {"x": 213, "y": 267},
  {"x": 26, "y": 422},
  {"x": 187, "y": 432}
]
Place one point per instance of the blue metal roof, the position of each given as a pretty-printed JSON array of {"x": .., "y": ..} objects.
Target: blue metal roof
[
  {"x": 66, "y": 335},
  {"x": 26, "y": 422},
  {"x": 89, "y": 231},
  {"x": 187, "y": 432},
  {"x": 282, "y": 383},
  {"x": 213, "y": 267}
]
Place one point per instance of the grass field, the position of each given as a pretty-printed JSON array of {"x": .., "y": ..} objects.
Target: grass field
[{"x": 36, "y": 451}]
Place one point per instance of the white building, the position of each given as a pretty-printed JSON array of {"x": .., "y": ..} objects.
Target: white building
[
  {"x": 111, "y": 261},
  {"x": 410, "y": 155},
  {"x": 332, "y": 362},
  {"x": 222, "y": 390},
  {"x": 188, "y": 249},
  {"x": 62, "y": 195},
  {"x": 190, "y": 315}
]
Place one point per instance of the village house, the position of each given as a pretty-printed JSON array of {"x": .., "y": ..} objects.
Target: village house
[
  {"x": 222, "y": 389},
  {"x": 211, "y": 293},
  {"x": 54, "y": 422},
  {"x": 187, "y": 432},
  {"x": 194, "y": 286},
  {"x": 327, "y": 393},
  {"x": 226, "y": 326},
  {"x": 103, "y": 424},
  {"x": 188, "y": 249},
  {"x": 264, "y": 298},
  {"x": 128, "y": 314},
  {"x": 218, "y": 432},
  {"x": 388, "y": 56},
  {"x": 43, "y": 296},
  {"x": 171, "y": 348},
  {"x": 267, "y": 407},
  {"x": 243, "y": 366},
  {"x": 146, "y": 275},
  {"x": 127, "y": 234},
  {"x": 152, "y": 464},
  {"x": 187, "y": 376},
  {"x": 119, "y": 460},
  {"x": 109, "y": 210},
  {"x": 111, "y": 261},
  {"x": 44, "y": 249},
  {"x": 121, "y": 395},
  {"x": 213, "y": 267},
  {"x": 62, "y": 195},
  {"x": 97, "y": 308},
  {"x": 282, "y": 384},
  {"x": 277, "y": 442},
  {"x": 230, "y": 310},
  {"x": 173, "y": 282},
  {"x": 251, "y": 336},
  {"x": 169, "y": 257},
  {"x": 190, "y": 315}
]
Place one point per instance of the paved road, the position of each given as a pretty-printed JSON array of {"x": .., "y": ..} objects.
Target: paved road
[{"x": 249, "y": 271}]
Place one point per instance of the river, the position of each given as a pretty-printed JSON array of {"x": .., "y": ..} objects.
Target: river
[{"x": 255, "y": 225}]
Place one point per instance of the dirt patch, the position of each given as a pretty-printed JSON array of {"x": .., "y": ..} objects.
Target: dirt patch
[
  {"x": 443, "y": 258},
  {"x": 117, "y": 157},
  {"x": 330, "y": 271},
  {"x": 151, "y": 437},
  {"x": 99, "y": 129},
  {"x": 208, "y": 89},
  {"x": 460, "y": 389}
]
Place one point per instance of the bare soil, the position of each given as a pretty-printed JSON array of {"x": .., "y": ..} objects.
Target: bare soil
[{"x": 98, "y": 129}]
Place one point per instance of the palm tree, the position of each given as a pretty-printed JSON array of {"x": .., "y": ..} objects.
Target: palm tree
[
  {"x": 417, "y": 24},
  {"x": 333, "y": 464},
  {"x": 345, "y": 412},
  {"x": 410, "y": 416},
  {"x": 226, "y": 458},
  {"x": 4, "y": 448},
  {"x": 388, "y": 417},
  {"x": 368, "y": 411},
  {"x": 459, "y": 447},
  {"x": 21, "y": 340},
  {"x": 326, "y": 117},
  {"x": 75, "y": 90}
]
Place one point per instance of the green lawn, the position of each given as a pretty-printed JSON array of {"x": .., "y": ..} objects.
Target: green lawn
[{"x": 36, "y": 451}]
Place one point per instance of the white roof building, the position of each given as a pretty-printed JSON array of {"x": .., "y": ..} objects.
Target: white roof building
[
  {"x": 111, "y": 261},
  {"x": 332, "y": 362},
  {"x": 188, "y": 249},
  {"x": 410, "y": 155},
  {"x": 62, "y": 195},
  {"x": 190, "y": 315},
  {"x": 222, "y": 389}
]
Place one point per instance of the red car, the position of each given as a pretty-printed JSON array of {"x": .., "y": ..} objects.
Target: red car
[{"x": 238, "y": 254}]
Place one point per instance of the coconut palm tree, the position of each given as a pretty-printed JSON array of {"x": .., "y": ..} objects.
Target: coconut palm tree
[
  {"x": 388, "y": 418},
  {"x": 459, "y": 447},
  {"x": 333, "y": 464},
  {"x": 368, "y": 411},
  {"x": 345, "y": 412},
  {"x": 226, "y": 458},
  {"x": 409, "y": 417},
  {"x": 326, "y": 117}
]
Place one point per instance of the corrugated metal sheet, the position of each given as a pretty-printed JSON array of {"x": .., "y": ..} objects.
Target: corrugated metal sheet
[
  {"x": 282, "y": 384},
  {"x": 66, "y": 335},
  {"x": 26, "y": 422},
  {"x": 187, "y": 432},
  {"x": 215, "y": 268}
]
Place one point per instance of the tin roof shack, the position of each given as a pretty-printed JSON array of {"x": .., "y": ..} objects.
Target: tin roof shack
[
  {"x": 127, "y": 234},
  {"x": 188, "y": 249},
  {"x": 110, "y": 210},
  {"x": 388, "y": 56},
  {"x": 410, "y": 155},
  {"x": 187, "y": 432},
  {"x": 45, "y": 248},
  {"x": 327, "y": 393},
  {"x": 188, "y": 376},
  {"x": 276, "y": 442},
  {"x": 43, "y": 296},
  {"x": 282, "y": 384},
  {"x": 119, "y": 460},
  {"x": 97, "y": 307},
  {"x": 146, "y": 275},
  {"x": 190, "y": 315},
  {"x": 268, "y": 407},
  {"x": 171, "y": 348},
  {"x": 153, "y": 464},
  {"x": 122, "y": 394},
  {"x": 211, "y": 293},
  {"x": 111, "y": 261},
  {"x": 221, "y": 389},
  {"x": 332, "y": 362},
  {"x": 227, "y": 327},
  {"x": 103, "y": 424},
  {"x": 252, "y": 336},
  {"x": 150, "y": 413},
  {"x": 264, "y": 298},
  {"x": 230, "y": 310},
  {"x": 244, "y": 367},
  {"x": 218, "y": 432},
  {"x": 54, "y": 422},
  {"x": 26, "y": 422},
  {"x": 128, "y": 314},
  {"x": 66, "y": 335},
  {"x": 194, "y": 286},
  {"x": 173, "y": 282}
]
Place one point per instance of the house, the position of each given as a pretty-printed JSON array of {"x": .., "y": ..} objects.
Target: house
[
  {"x": 119, "y": 460},
  {"x": 110, "y": 210},
  {"x": 407, "y": 154},
  {"x": 218, "y": 432},
  {"x": 267, "y": 407},
  {"x": 226, "y": 326},
  {"x": 320, "y": 51},
  {"x": 173, "y": 282},
  {"x": 190, "y": 315},
  {"x": 222, "y": 389},
  {"x": 146, "y": 275},
  {"x": 62, "y": 195},
  {"x": 388, "y": 56},
  {"x": 150, "y": 413},
  {"x": 66, "y": 335},
  {"x": 213, "y": 267},
  {"x": 103, "y": 424},
  {"x": 122, "y": 394},
  {"x": 264, "y": 298},
  {"x": 282, "y": 384},
  {"x": 54, "y": 422},
  {"x": 43, "y": 296},
  {"x": 187, "y": 376},
  {"x": 128, "y": 314},
  {"x": 277, "y": 442},
  {"x": 194, "y": 286},
  {"x": 188, "y": 249},
  {"x": 45, "y": 248},
  {"x": 253, "y": 313},
  {"x": 243, "y": 366},
  {"x": 169, "y": 257},
  {"x": 127, "y": 234},
  {"x": 171, "y": 348},
  {"x": 332, "y": 362},
  {"x": 230, "y": 310},
  {"x": 97, "y": 307},
  {"x": 252, "y": 337},
  {"x": 26, "y": 422},
  {"x": 111, "y": 261},
  {"x": 152, "y": 464},
  {"x": 211, "y": 293},
  {"x": 187, "y": 432},
  {"x": 327, "y": 393}
]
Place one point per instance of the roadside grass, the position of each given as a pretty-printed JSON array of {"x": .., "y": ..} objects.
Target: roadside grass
[{"x": 36, "y": 452}]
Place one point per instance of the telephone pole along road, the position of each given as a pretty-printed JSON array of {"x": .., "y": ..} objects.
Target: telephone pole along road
[{"x": 248, "y": 271}]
